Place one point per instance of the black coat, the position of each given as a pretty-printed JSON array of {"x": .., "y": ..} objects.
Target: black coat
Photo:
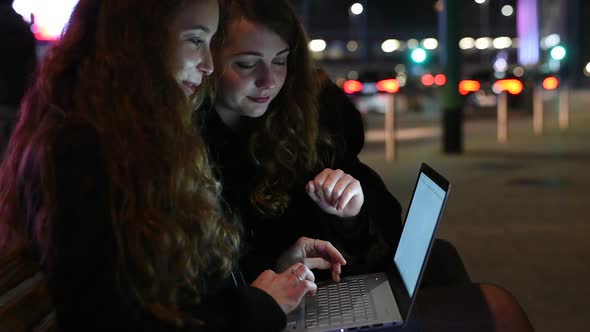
[
  {"x": 81, "y": 265},
  {"x": 367, "y": 241}
]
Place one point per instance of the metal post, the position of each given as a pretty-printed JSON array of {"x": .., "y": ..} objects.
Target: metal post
[
  {"x": 449, "y": 55},
  {"x": 502, "y": 118},
  {"x": 538, "y": 111},
  {"x": 390, "y": 151},
  {"x": 563, "y": 108}
]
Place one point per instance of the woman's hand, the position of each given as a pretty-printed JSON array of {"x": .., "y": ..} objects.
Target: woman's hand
[
  {"x": 315, "y": 254},
  {"x": 289, "y": 287},
  {"x": 336, "y": 192}
]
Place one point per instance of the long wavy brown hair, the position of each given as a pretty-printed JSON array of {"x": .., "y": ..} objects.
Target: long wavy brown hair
[
  {"x": 111, "y": 69},
  {"x": 284, "y": 141}
]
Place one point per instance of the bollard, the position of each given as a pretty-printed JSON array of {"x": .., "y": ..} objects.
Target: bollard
[
  {"x": 563, "y": 108},
  {"x": 390, "y": 151},
  {"x": 502, "y": 118},
  {"x": 514, "y": 87},
  {"x": 538, "y": 111},
  {"x": 390, "y": 86}
]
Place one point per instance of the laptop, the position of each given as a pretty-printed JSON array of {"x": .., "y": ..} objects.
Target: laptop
[{"x": 380, "y": 300}]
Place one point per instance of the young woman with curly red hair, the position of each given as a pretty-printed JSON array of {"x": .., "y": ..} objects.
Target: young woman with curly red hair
[{"x": 107, "y": 183}]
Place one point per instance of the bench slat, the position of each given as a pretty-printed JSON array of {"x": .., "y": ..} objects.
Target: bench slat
[{"x": 25, "y": 304}]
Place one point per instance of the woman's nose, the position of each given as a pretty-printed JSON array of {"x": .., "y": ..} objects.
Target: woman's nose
[
  {"x": 206, "y": 65},
  {"x": 265, "y": 79}
]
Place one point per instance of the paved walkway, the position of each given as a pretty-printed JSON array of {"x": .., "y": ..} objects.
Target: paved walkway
[{"x": 518, "y": 212}]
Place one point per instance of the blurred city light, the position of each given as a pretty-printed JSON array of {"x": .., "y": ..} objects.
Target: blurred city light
[
  {"x": 390, "y": 45},
  {"x": 499, "y": 74},
  {"x": 440, "y": 79},
  {"x": 550, "y": 83},
  {"x": 427, "y": 79},
  {"x": 466, "y": 86},
  {"x": 507, "y": 10},
  {"x": 500, "y": 65},
  {"x": 553, "y": 65},
  {"x": 356, "y": 8},
  {"x": 389, "y": 85},
  {"x": 400, "y": 68},
  {"x": 527, "y": 30},
  {"x": 352, "y": 75},
  {"x": 480, "y": 1},
  {"x": 550, "y": 41},
  {"x": 352, "y": 86},
  {"x": 418, "y": 55},
  {"x": 50, "y": 16},
  {"x": 352, "y": 46},
  {"x": 466, "y": 43},
  {"x": 25, "y": 8},
  {"x": 558, "y": 52},
  {"x": 412, "y": 43},
  {"x": 518, "y": 71},
  {"x": 511, "y": 85},
  {"x": 317, "y": 45},
  {"x": 502, "y": 43},
  {"x": 483, "y": 43},
  {"x": 587, "y": 69},
  {"x": 402, "y": 79},
  {"x": 430, "y": 43}
]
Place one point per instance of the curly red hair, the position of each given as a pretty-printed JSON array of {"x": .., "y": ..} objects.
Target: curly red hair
[{"x": 111, "y": 70}]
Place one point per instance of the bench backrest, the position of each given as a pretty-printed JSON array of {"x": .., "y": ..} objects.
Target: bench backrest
[{"x": 25, "y": 304}]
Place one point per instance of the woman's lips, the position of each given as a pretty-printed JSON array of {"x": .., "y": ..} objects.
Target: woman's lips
[
  {"x": 190, "y": 87},
  {"x": 260, "y": 100}
]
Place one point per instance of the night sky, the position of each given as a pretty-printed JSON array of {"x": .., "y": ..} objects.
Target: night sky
[{"x": 402, "y": 18}]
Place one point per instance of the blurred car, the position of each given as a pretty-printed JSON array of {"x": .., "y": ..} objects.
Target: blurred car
[
  {"x": 370, "y": 91},
  {"x": 480, "y": 89},
  {"x": 479, "y": 97},
  {"x": 364, "y": 93}
]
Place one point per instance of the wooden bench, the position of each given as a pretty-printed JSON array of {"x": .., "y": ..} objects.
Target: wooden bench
[{"x": 25, "y": 304}]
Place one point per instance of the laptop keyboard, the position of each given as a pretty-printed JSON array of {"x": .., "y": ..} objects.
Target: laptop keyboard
[{"x": 338, "y": 303}]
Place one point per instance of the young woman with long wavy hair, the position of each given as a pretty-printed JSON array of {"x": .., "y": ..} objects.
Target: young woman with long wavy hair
[
  {"x": 289, "y": 170},
  {"x": 107, "y": 183},
  {"x": 286, "y": 167}
]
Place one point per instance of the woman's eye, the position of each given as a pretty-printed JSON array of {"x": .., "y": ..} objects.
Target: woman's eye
[
  {"x": 280, "y": 62},
  {"x": 196, "y": 41},
  {"x": 245, "y": 65}
]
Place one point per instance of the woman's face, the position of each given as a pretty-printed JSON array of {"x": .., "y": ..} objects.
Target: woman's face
[
  {"x": 192, "y": 31},
  {"x": 253, "y": 69}
]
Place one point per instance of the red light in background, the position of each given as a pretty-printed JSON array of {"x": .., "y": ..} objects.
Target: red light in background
[
  {"x": 427, "y": 79},
  {"x": 390, "y": 85},
  {"x": 550, "y": 83},
  {"x": 352, "y": 86},
  {"x": 513, "y": 86},
  {"x": 466, "y": 86},
  {"x": 440, "y": 79}
]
